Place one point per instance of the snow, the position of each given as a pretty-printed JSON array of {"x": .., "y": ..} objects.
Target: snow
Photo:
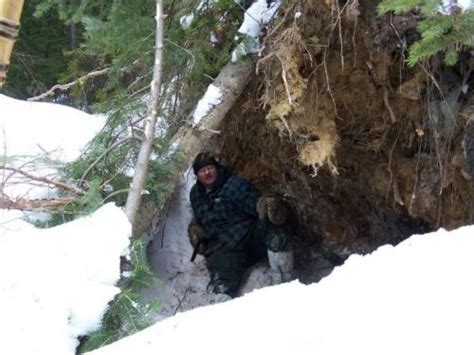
[
  {"x": 255, "y": 19},
  {"x": 36, "y": 138},
  {"x": 59, "y": 130},
  {"x": 186, "y": 21},
  {"x": 450, "y": 8},
  {"x": 211, "y": 98},
  {"x": 463, "y": 4},
  {"x": 56, "y": 283},
  {"x": 415, "y": 298}
]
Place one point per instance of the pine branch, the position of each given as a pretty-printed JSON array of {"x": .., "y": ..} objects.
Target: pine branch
[
  {"x": 64, "y": 87},
  {"x": 45, "y": 180},
  {"x": 31, "y": 205}
]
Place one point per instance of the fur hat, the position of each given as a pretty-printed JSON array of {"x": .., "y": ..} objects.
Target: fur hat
[{"x": 203, "y": 159}]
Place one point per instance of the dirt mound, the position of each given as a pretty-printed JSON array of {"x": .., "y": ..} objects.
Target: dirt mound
[{"x": 365, "y": 150}]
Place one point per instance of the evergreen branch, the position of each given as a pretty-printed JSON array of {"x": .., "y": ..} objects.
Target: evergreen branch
[
  {"x": 31, "y": 205},
  {"x": 64, "y": 87},
  {"x": 115, "y": 193},
  {"x": 45, "y": 180},
  {"x": 182, "y": 48},
  {"x": 104, "y": 153}
]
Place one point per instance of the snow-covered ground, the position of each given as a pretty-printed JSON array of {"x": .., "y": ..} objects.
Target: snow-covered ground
[
  {"x": 55, "y": 283},
  {"x": 415, "y": 298}
]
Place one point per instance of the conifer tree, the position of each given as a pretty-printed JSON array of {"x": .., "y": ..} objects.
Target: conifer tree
[{"x": 445, "y": 27}]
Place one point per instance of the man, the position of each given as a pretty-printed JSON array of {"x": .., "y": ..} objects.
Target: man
[{"x": 234, "y": 226}]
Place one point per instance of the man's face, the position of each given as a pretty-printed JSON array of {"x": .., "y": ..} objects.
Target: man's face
[{"x": 207, "y": 175}]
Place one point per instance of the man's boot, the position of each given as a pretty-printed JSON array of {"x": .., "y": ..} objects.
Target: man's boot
[{"x": 281, "y": 265}]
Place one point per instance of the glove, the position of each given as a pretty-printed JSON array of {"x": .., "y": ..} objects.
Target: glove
[
  {"x": 272, "y": 208},
  {"x": 197, "y": 236}
]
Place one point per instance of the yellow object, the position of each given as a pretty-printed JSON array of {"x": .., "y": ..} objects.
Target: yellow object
[{"x": 10, "y": 12}]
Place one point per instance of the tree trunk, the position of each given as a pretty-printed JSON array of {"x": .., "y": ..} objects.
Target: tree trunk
[
  {"x": 141, "y": 167},
  {"x": 10, "y": 12},
  {"x": 232, "y": 80}
]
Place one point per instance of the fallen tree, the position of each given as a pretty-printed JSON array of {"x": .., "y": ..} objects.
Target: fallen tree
[{"x": 231, "y": 81}]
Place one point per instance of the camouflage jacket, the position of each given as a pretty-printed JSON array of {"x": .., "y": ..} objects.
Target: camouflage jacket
[{"x": 228, "y": 212}]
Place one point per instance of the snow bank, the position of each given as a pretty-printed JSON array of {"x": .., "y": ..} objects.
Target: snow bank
[
  {"x": 415, "y": 298},
  {"x": 37, "y": 134},
  {"x": 55, "y": 283},
  {"x": 35, "y": 137},
  {"x": 31, "y": 128}
]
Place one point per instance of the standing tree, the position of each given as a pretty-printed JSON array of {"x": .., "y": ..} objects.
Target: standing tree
[{"x": 141, "y": 167}]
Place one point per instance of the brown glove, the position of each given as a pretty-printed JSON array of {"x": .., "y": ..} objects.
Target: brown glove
[
  {"x": 197, "y": 236},
  {"x": 272, "y": 208}
]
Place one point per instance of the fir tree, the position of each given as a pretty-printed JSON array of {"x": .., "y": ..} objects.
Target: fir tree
[{"x": 444, "y": 27}]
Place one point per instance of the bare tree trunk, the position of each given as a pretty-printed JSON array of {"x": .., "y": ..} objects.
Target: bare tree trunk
[
  {"x": 10, "y": 12},
  {"x": 134, "y": 196},
  {"x": 231, "y": 81}
]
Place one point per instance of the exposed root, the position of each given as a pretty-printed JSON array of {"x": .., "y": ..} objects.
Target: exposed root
[{"x": 387, "y": 105}]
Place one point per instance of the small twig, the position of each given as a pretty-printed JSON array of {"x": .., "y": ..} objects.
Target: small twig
[
  {"x": 119, "y": 170},
  {"x": 435, "y": 82},
  {"x": 339, "y": 27},
  {"x": 354, "y": 42},
  {"x": 328, "y": 87},
  {"x": 64, "y": 87},
  {"x": 287, "y": 89},
  {"x": 286, "y": 126},
  {"x": 104, "y": 153},
  {"x": 47, "y": 181},
  {"x": 115, "y": 193},
  {"x": 184, "y": 49},
  {"x": 180, "y": 301},
  {"x": 387, "y": 105},
  {"x": 213, "y": 131}
]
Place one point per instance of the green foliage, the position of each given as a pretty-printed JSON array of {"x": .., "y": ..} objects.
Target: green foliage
[
  {"x": 92, "y": 200},
  {"x": 128, "y": 313},
  {"x": 446, "y": 30},
  {"x": 38, "y": 58}
]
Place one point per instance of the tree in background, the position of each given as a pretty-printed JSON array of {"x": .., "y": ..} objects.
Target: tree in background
[
  {"x": 98, "y": 56},
  {"x": 444, "y": 27}
]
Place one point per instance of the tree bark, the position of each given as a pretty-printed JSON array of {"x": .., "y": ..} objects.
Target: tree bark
[
  {"x": 232, "y": 80},
  {"x": 10, "y": 12},
  {"x": 31, "y": 205},
  {"x": 141, "y": 167}
]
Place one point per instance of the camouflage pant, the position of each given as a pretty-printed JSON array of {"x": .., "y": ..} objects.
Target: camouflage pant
[{"x": 227, "y": 265}]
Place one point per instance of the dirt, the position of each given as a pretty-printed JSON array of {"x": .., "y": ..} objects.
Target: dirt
[{"x": 364, "y": 150}]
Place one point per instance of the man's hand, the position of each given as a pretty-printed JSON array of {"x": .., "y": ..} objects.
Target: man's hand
[
  {"x": 272, "y": 208},
  {"x": 197, "y": 236}
]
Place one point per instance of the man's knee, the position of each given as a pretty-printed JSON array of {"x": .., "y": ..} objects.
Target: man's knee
[{"x": 225, "y": 270}]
